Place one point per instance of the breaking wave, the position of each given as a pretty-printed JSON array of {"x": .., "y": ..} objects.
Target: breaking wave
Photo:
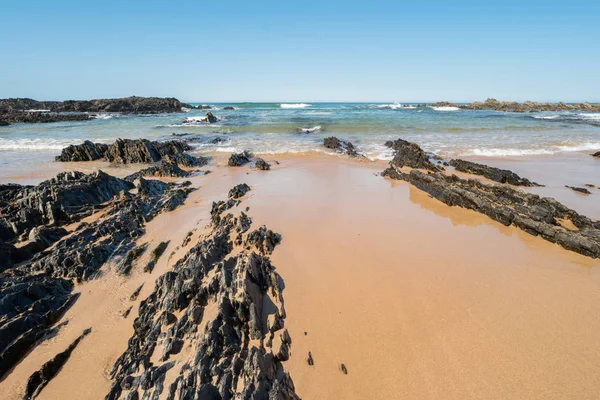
[{"x": 295, "y": 105}]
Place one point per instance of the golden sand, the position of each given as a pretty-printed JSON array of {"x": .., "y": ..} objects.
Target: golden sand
[{"x": 419, "y": 300}]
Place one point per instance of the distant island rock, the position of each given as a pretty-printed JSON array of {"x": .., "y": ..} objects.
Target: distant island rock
[
  {"x": 24, "y": 110},
  {"x": 527, "y": 106}
]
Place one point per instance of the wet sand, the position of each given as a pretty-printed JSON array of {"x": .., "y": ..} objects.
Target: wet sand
[{"x": 417, "y": 299}]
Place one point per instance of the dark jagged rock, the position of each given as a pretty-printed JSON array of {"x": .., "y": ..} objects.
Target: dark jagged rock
[
  {"x": 136, "y": 293},
  {"x": 123, "y": 151},
  {"x": 539, "y": 216},
  {"x": 39, "y": 379},
  {"x": 228, "y": 108},
  {"x": 204, "y": 107},
  {"x": 42, "y": 237},
  {"x": 261, "y": 164},
  {"x": 87, "y": 151},
  {"x": 66, "y": 198},
  {"x": 29, "y": 306},
  {"x": 187, "y": 160},
  {"x": 494, "y": 174},
  {"x": 341, "y": 146},
  {"x": 579, "y": 189},
  {"x": 597, "y": 154},
  {"x": 25, "y": 117},
  {"x": 127, "y": 105},
  {"x": 4, "y": 123},
  {"x": 409, "y": 154},
  {"x": 343, "y": 369},
  {"x": 36, "y": 293},
  {"x": 239, "y": 191},
  {"x": 264, "y": 240},
  {"x": 221, "y": 360},
  {"x": 309, "y": 359},
  {"x": 81, "y": 255},
  {"x": 210, "y": 118},
  {"x": 142, "y": 150},
  {"x": 164, "y": 169},
  {"x": 239, "y": 159}
]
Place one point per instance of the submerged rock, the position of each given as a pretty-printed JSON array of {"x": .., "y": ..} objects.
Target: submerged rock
[
  {"x": 239, "y": 159},
  {"x": 228, "y": 108},
  {"x": 210, "y": 118},
  {"x": 341, "y": 146},
  {"x": 536, "y": 215},
  {"x": 492, "y": 173}
]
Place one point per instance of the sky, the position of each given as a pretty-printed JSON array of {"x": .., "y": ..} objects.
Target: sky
[{"x": 306, "y": 50}]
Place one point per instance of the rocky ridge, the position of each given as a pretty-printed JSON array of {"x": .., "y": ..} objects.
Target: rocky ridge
[
  {"x": 539, "y": 216},
  {"x": 213, "y": 327}
]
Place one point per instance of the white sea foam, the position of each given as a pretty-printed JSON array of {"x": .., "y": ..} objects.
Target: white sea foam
[
  {"x": 446, "y": 108},
  {"x": 103, "y": 116},
  {"x": 310, "y": 130},
  {"x": 546, "y": 116},
  {"x": 296, "y": 105},
  {"x": 394, "y": 106},
  {"x": 512, "y": 152},
  {"x": 35, "y": 144},
  {"x": 595, "y": 117}
]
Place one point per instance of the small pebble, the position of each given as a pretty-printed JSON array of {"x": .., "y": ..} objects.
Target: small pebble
[{"x": 343, "y": 369}]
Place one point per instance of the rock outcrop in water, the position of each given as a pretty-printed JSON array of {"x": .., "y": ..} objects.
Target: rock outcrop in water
[
  {"x": 124, "y": 151},
  {"x": 27, "y": 117},
  {"x": 34, "y": 294},
  {"x": 579, "y": 189},
  {"x": 213, "y": 327},
  {"x": 23, "y": 110},
  {"x": 597, "y": 154},
  {"x": 539, "y": 216},
  {"x": 492, "y": 173},
  {"x": 341, "y": 146},
  {"x": 127, "y": 105},
  {"x": 528, "y": 106}
]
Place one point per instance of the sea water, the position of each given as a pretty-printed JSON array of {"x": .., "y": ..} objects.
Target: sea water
[{"x": 278, "y": 128}]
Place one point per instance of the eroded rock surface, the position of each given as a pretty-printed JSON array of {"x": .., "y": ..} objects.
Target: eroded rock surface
[
  {"x": 36, "y": 293},
  {"x": 492, "y": 173},
  {"x": 539, "y": 216},
  {"x": 262, "y": 165},
  {"x": 239, "y": 159},
  {"x": 123, "y": 151},
  {"x": 341, "y": 146},
  {"x": 527, "y": 106},
  {"x": 66, "y": 198},
  {"x": 408, "y": 154},
  {"x": 213, "y": 327}
]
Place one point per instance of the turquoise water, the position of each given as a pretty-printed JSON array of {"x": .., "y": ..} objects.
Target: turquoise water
[{"x": 275, "y": 128}]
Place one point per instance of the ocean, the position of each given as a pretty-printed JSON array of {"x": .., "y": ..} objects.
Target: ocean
[{"x": 277, "y": 128}]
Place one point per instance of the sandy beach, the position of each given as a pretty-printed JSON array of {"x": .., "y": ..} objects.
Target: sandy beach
[{"x": 417, "y": 299}]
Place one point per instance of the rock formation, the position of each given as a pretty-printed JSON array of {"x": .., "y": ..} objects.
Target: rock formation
[
  {"x": 341, "y": 146},
  {"x": 261, "y": 164},
  {"x": 407, "y": 154},
  {"x": 213, "y": 327},
  {"x": 539, "y": 216},
  {"x": 123, "y": 151},
  {"x": 494, "y": 174},
  {"x": 528, "y": 106},
  {"x": 36, "y": 293},
  {"x": 239, "y": 159}
]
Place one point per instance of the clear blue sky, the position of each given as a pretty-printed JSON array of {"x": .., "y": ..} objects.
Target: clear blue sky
[{"x": 301, "y": 50}]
